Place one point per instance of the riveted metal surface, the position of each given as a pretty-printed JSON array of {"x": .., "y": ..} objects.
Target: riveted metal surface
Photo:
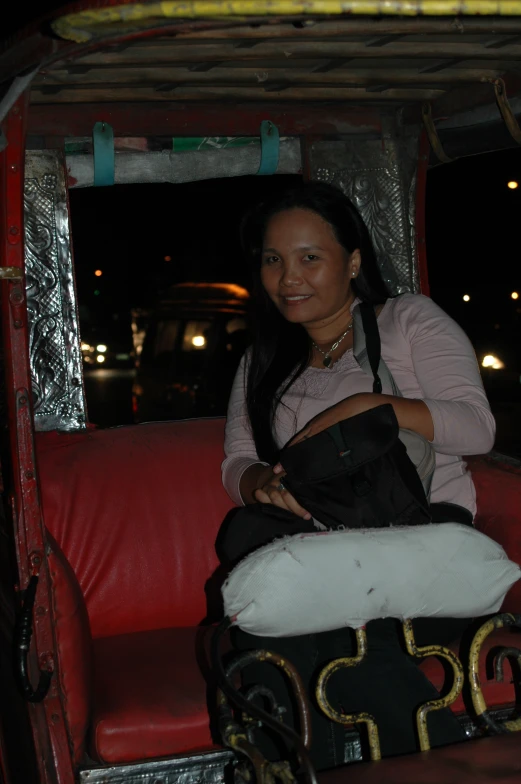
[
  {"x": 54, "y": 340},
  {"x": 379, "y": 176}
]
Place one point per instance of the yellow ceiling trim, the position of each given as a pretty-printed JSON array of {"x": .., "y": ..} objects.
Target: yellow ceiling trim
[{"x": 83, "y": 26}]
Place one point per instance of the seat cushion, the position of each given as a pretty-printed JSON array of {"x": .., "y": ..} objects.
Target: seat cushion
[
  {"x": 498, "y": 491},
  {"x": 495, "y": 694},
  {"x": 489, "y": 761},
  {"x": 150, "y": 695},
  {"x": 309, "y": 583},
  {"x": 152, "y": 691}
]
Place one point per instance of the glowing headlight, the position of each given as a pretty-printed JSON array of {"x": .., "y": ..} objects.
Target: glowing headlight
[
  {"x": 85, "y": 347},
  {"x": 100, "y": 358},
  {"x": 198, "y": 341},
  {"x": 492, "y": 362},
  {"x": 101, "y": 348}
]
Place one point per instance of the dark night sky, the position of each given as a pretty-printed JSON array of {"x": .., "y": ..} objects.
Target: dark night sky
[{"x": 126, "y": 231}]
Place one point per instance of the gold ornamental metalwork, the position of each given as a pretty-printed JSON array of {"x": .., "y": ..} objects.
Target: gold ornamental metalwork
[
  {"x": 478, "y": 700},
  {"x": 348, "y": 718},
  {"x": 442, "y": 702}
]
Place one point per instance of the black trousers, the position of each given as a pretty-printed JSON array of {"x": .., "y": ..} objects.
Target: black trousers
[{"x": 387, "y": 684}]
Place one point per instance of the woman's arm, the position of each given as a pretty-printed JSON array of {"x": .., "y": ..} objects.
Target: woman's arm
[
  {"x": 447, "y": 371},
  {"x": 239, "y": 446},
  {"x": 246, "y": 479},
  {"x": 411, "y": 415},
  {"x": 454, "y": 413}
]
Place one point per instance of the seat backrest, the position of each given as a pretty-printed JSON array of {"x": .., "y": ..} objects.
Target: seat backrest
[
  {"x": 498, "y": 489},
  {"x": 136, "y": 511}
]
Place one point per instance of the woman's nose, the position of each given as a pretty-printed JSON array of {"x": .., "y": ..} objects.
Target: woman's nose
[{"x": 291, "y": 275}]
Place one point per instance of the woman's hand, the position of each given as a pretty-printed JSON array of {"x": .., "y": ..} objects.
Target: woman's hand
[
  {"x": 259, "y": 484},
  {"x": 274, "y": 492}
]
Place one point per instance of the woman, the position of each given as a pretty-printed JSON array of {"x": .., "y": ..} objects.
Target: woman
[{"x": 312, "y": 262}]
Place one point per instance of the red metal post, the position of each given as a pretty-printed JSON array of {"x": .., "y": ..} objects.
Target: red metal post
[
  {"x": 47, "y": 718},
  {"x": 421, "y": 187}
]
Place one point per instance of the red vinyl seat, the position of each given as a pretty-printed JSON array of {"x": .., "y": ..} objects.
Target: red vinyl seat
[
  {"x": 133, "y": 513},
  {"x": 150, "y": 695}
]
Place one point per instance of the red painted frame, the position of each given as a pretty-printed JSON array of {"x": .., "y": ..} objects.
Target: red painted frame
[
  {"x": 47, "y": 718},
  {"x": 181, "y": 119}
]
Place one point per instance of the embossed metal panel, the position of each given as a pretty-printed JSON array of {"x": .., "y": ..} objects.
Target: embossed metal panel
[
  {"x": 54, "y": 340},
  {"x": 209, "y": 768},
  {"x": 379, "y": 176}
]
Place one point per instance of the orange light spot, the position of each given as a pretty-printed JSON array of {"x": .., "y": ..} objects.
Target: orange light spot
[{"x": 98, "y": 273}]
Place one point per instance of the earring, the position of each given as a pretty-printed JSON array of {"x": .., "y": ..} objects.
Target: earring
[{"x": 353, "y": 274}]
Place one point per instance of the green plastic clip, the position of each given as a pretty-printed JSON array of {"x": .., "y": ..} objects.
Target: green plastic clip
[
  {"x": 103, "y": 148},
  {"x": 270, "y": 147}
]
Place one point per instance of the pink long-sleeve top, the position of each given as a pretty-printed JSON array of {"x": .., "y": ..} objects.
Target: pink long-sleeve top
[{"x": 430, "y": 358}]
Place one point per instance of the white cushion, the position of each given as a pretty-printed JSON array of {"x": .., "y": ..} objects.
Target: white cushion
[{"x": 311, "y": 583}]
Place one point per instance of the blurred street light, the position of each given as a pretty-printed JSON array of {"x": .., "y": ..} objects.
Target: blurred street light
[
  {"x": 490, "y": 361},
  {"x": 199, "y": 341},
  {"x": 514, "y": 295},
  {"x": 512, "y": 185},
  {"x": 98, "y": 273},
  {"x": 100, "y": 358},
  {"x": 101, "y": 348},
  {"x": 466, "y": 298}
]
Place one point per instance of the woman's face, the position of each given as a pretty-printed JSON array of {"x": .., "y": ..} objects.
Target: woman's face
[{"x": 305, "y": 270}]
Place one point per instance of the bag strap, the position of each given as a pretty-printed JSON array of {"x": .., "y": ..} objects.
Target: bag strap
[
  {"x": 367, "y": 352},
  {"x": 372, "y": 342},
  {"x": 367, "y": 349}
]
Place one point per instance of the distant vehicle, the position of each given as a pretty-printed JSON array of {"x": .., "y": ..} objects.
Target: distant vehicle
[
  {"x": 98, "y": 352},
  {"x": 191, "y": 349}
]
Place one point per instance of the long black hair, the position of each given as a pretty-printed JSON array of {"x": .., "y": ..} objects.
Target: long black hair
[{"x": 272, "y": 369}]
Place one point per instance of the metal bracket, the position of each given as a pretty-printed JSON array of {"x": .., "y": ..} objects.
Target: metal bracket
[
  {"x": 505, "y": 109},
  {"x": 432, "y": 134},
  {"x": 11, "y": 273},
  {"x": 22, "y": 642}
]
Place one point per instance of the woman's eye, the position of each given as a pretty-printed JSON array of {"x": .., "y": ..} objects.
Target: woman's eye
[
  {"x": 310, "y": 257},
  {"x": 271, "y": 259}
]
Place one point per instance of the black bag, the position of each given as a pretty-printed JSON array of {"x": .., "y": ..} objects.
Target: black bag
[{"x": 357, "y": 474}]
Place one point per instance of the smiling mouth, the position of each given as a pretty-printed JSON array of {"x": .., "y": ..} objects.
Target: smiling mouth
[{"x": 296, "y": 300}]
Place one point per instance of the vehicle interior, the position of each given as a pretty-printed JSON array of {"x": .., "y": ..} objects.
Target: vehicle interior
[{"x": 110, "y": 588}]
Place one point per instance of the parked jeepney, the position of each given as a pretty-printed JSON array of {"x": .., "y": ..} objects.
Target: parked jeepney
[
  {"x": 194, "y": 340},
  {"x": 107, "y": 536}
]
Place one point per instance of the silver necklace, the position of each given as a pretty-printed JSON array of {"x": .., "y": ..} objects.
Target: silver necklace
[{"x": 327, "y": 354}]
